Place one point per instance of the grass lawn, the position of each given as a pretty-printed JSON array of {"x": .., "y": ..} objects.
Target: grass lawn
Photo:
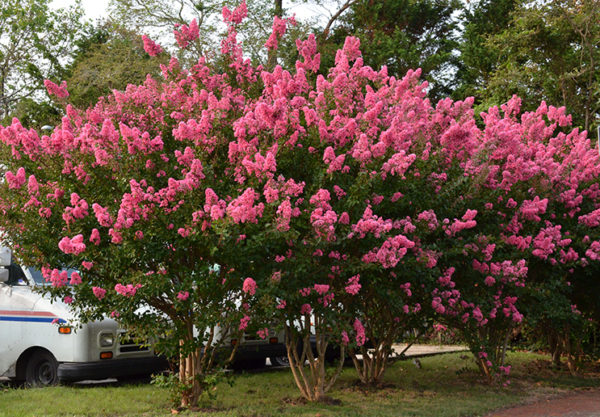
[{"x": 446, "y": 385}]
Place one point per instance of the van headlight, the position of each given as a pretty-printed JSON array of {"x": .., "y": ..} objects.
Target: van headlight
[{"x": 107, "y": 339}]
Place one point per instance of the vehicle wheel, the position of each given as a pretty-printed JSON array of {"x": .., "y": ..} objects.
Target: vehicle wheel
[
  {"x": 280, "y": 361},
  {"x": 41, "y": 370}
]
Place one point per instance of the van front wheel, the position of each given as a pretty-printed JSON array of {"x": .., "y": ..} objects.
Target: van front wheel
[{"x": 41, "y": 370}]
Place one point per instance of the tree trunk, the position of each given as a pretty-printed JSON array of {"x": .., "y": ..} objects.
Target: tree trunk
[
  {"x": 374, "y": 362},
  {"x": 485, "y": 369},
  {"x": 311, "y": 380},
  {"x": 555, "y": 348},
  {"x": 566, "y": 341},
  {"x": 194, "y": 366},
  {"x": 190, "y": 376}
]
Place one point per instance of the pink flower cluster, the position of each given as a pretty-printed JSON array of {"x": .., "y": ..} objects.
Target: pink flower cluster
[
  {"x": 72, "y": 246},
  {"x": 249, "y": 286},
  {"x": 56, "y": 90},
  {"x": 151, "y": 48},
  {"x": 184, "y": 34},
  {"x": 128, "y": 290}
]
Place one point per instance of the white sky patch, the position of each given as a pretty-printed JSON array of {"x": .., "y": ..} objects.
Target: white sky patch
[
  {"x": 98, "y": 9},
  {"x": 94, "y": 9}
]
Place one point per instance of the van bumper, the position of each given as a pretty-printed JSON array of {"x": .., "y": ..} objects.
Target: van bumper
[
  {"x": 260, "y": 351},
  {"x": 110, "y": 368}
]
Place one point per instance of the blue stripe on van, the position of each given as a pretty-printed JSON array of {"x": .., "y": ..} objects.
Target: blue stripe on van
[{"x": 31, "y": 319}]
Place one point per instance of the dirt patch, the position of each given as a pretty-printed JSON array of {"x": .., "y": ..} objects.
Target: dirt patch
[
  {"x": 294, "y": 401},
  {"x": 303, "y": 401},
  {"x": 382, "y": 389},
  {"x": 207, "y": 410},
  {"x": 330, "y": 401},
  {"x": 583, "y": 403}
]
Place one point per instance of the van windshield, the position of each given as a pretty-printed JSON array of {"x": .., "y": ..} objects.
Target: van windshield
[
  {"x": 39, "y": 279},
  {"x": 37, "y": 276}
]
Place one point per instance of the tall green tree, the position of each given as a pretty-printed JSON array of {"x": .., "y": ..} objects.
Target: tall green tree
[
  {"x": 480, "y": 19},
  {"x": 403, "y": 35},
  {"x": 550, "y": 52},
  {"x": 36, "y": 43},
  {"x": 110, "y": 57}
]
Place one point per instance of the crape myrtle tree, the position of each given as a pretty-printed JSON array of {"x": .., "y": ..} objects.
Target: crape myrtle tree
[
  {"x": 541, "y": 195},
  {"x": 126, "y": 193},
  {"x": 343, "y": 206},
  {"x": 151, "y": 195},
  {"x": 556, "y": 226}
]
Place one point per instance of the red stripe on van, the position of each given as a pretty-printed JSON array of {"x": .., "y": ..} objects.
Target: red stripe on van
[{"x": 26, "y": 313}]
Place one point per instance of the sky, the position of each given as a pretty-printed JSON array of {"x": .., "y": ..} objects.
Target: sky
[{"x": 94, "y": 9}]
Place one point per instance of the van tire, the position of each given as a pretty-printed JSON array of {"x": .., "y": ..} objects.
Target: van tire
[
  {"x": 280, "y": 361},
  {"x": 41, "y": 369}
]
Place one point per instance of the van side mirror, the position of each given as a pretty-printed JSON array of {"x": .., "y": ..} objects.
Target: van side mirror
[
  {"x": 4, "y": 274},
  {"x": 5, "y": 256}
]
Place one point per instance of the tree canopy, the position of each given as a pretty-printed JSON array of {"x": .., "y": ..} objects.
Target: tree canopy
[{"x": 36, "y": 43}]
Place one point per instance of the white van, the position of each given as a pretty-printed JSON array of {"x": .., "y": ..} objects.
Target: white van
[{"x": 39, "y": 347}]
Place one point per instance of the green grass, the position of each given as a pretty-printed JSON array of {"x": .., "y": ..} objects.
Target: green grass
[{"x": 446, "y": 385}]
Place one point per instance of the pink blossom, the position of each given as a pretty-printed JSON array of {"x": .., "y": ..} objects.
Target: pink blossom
[
  {"x": 183, "y": 295},
  {"x": 102, "y": 215},
  {"x": 128, "y": 290},
  {"x": 237, "y": 15},
  {"x": 263, "y": 333},
  {"x": 244, "y": 322},
  {"x": 75, "y": 278},
  {"x": 305, "y": 309},
  {"x": 279, "y": 28},
  {"x": 243, "y": 209},
  {"x": 115, "y": 235},
  {"x": 151, "y": 48},
  {"x": 74, "y": 246},
  {"x": 183, "y": 232},
  {"x": 58, "y": 278},
  {"x": 58, "y": 91},
  {"x": 276, "y": 276},
  {"x": 95, "y": 237},
  {"x": 321, "y": 288},
  {"x": 185, "y": 34},
  {"x": 361, "y": 338},
  {"x": 345, "y": 338},
  {"x": 99, "y": 292},
  {"x": 353, "y": 286},
  {"x": 489, "y": 281},
  {"x": 15, "y": 181},
  {"x": 249, "y": 286}
]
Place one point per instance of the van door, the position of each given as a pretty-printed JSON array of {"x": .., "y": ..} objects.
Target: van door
[{"x": 17, "y": 301}]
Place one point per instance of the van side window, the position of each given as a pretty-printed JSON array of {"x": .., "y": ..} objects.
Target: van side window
[{"x": 16, "y": 277}]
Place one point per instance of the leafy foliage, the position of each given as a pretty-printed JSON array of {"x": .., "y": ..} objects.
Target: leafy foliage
[{"x": 35, "y": 44}]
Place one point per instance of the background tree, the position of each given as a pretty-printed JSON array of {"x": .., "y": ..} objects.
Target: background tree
[
  {"x": 403, "y": 35},
  {"x": 549, "y": 52},
  {"x": 36, "y": 43},
  {"x": 477, "y": 60},
  {"x": 109, "y": 57},
  {"x": 158, "y": 17}
]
